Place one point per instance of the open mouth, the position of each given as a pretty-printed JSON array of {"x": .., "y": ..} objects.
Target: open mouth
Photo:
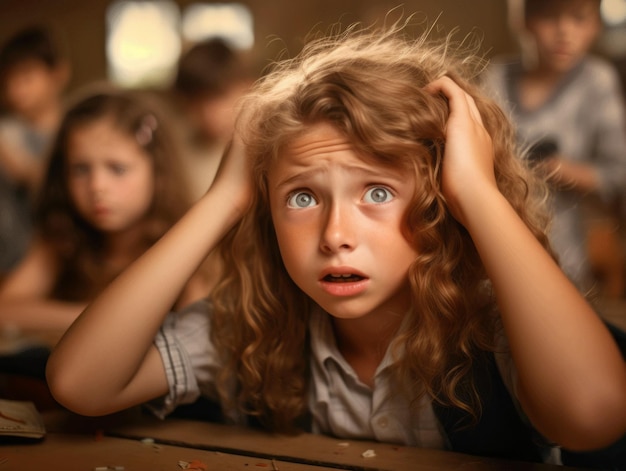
[{"x": 344, "y": 278}]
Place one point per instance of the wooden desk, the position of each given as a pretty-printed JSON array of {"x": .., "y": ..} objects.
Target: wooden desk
[
  {"x": 221, "y": 448},
  {"x": 75, "y": 452}
]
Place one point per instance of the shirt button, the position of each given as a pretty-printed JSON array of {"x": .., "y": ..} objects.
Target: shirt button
[{"x": 383, "y": 422}]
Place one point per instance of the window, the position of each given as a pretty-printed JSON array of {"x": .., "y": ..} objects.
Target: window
[
  {"x": 231, "y": 21},
  {"x": 143, "y": 42},
  {"x": 613, "y": 39},
  {"x": 145, "y": 38},
  {"x": 613, "y": 12}
]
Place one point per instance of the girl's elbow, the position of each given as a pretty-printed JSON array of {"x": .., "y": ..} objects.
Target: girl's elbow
[
  {"x": 595, "y": 422},
  {"x": 69, "y": 391}
]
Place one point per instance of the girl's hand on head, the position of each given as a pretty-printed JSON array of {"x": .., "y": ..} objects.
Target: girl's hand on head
[
  {"x": 234, "y": 175},
  {"x": 468, "y": 157}
]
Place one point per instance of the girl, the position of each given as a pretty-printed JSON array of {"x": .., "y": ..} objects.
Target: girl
[
  {"x": 113, "y": 187},
  {"x": 381, "y": 240}
]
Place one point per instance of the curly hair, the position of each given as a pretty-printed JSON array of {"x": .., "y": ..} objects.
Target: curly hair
[
  {"x": 78, "y": 246},
  {"x": 368, "y": 84}
]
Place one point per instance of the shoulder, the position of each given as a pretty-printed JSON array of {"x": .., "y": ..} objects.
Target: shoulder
[
  {"x": 600, "y": 71},
  {"x": 497, "y": 76}
]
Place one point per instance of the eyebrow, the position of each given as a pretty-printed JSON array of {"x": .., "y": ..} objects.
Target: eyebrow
[{"x": 305, "y": 174}]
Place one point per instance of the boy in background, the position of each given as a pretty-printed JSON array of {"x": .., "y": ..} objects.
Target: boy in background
[
  {"x": 211, "y": 77},
  {"x": 569, "y": 111},
  {"x": 33, "y": 77}
]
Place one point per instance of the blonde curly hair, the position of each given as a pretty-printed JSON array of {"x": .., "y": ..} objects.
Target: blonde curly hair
[{"x": 368, "y": 83}]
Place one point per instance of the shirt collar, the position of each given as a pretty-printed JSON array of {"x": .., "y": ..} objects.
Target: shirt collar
[{"x": 324, "y": 346}]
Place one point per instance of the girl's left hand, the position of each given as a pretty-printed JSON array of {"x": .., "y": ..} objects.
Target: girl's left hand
[{"x": 468, "y": 158}]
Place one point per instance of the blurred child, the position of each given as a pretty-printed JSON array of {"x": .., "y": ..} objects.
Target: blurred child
[
  {"x": 386, "y": 273},
  {"x": 112, "y": 188},
  {"x": 211, "y": 77},
  {"x": 33, "y": 76},
  {"x": 568, "y": 108}
]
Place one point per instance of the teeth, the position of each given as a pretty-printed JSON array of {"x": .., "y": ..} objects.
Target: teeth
[{"x": 334, "y": 275}]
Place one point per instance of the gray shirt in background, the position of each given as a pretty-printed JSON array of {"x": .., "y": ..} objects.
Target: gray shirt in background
[{"x": 585, "y": 119}]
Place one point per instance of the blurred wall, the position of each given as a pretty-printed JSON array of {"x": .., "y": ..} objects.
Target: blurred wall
[{"x": 81, "y": 24}]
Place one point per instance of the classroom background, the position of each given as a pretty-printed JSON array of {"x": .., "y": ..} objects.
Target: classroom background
[{"x": 137, "y": 44}]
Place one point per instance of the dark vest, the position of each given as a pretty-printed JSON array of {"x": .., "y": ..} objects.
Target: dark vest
[{"x": 501, "y": 433}]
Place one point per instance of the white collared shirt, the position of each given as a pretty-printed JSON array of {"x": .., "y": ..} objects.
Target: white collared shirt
[
  {"x": 340, "y": 404},
  {"x": 343, "y": 406}
]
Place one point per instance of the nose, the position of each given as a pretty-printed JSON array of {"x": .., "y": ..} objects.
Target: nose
[
  {"x": 339, "y": 231},
  {"x": 97, "y": 181},
  {"x": 565, "y": 25}
]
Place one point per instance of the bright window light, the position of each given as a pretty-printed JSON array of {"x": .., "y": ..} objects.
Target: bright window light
[
  {"x": 143, "y": 42},
  {"x": 613, "y": 12},
  {"x": 231, "y": 21}
]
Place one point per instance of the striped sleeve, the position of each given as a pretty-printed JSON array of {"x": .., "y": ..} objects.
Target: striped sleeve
[{"x": 183, "y": 343}]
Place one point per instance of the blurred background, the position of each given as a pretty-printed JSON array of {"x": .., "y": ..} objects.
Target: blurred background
[
  {"x": 103, "y": 38},
  {"x": 138, "y": 43}
]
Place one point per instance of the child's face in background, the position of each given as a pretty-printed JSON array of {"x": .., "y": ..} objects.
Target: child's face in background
[
  {"x": 338, "y": 222},
  {"x": 30, "y": 86},
  {"x": 564, "y": 31},
  {"x": 214, "y": 116},
  {"x": 110, "y": 177}
]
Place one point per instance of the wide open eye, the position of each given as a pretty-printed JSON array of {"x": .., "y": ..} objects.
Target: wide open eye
[
  {"x": 377, "y": 195},
  {"x": 301, "y": 199}
]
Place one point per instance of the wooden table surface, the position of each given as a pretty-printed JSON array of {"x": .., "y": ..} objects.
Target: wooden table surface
[{"x": 118, "y": 442}]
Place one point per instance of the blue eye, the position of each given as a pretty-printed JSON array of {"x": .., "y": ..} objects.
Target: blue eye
[
  {"x": 301, "y": 199},
  {"x": 377, "y": 195}
]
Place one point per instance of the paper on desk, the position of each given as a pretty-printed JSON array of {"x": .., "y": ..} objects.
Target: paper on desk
[{"x": 20, "y": 419}]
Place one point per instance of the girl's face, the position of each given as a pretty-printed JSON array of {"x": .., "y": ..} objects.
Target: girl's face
[
  {"x": 564, "y": 31},
  {"x": 110, "y": 177},
  {"x": 338, "y": 220},
  {"x": 31, "y": 86}
]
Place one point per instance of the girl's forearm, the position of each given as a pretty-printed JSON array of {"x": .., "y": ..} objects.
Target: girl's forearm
[{"x": 572, "y": 378}]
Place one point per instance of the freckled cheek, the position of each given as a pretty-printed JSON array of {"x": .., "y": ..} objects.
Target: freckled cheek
[
  {"x": 140, "y": 188},
  {"x": 296, "y": 244}
]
